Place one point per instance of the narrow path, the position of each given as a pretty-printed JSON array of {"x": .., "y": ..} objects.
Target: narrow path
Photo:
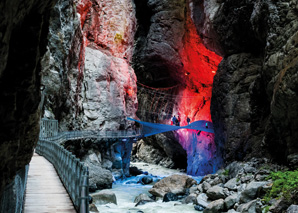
[{"x": 44, "y": 190}]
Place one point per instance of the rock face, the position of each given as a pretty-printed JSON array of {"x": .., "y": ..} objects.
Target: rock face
[
  {"x": 176, "y": 184},
  {"x": 254, "y": 98},
  {"x": 92, "y": 85},
  {"x": 23, "y": 38},
  {"x": 169, "y": 53}
]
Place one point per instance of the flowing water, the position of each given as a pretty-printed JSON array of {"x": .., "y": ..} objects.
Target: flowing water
[{"x": 126, "y": 191}]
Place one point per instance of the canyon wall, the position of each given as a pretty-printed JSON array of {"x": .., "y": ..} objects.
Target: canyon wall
[
  {"x": 176, "y": 74},
  {"x": 254, "y": 98},
  {"x": 23, "y": 39},
  {"x": 89, "y": 81}
]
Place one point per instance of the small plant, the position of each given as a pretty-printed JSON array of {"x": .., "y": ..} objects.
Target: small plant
[
  {"x": 285, "y": 184},
  {"x": 266, "y": 209},
  {"x": 226, "y": 172}
]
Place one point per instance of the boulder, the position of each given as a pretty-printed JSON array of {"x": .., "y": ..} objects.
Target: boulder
[
  {"x": 217, "y": 192},
  {"x": 146, "y": 180},
  {"x": 231, "y": 184},
  {"x": 292, "y": 209},
  {"x": 251, "y": 207},
  {"x": 206, "y": 186},
  {"x": 251, "y": 191},
  {"x": 215, "y": 206},
  {"x": 93, "y": 208},
  {"x": 100, "y": 177},
  {"x": 134, "y": 171},
  {"x": 142, "y": 197},
  {"x": 231, "y": 200},
  {"x": 192, "y": 198},
  {"x": 279, "y": 206},
  {"x": 170, "y": 197},
  {"x": 104, "y": 197},
  {"x": 176, "y": 184},
  {"x": 202, "y": 200}
]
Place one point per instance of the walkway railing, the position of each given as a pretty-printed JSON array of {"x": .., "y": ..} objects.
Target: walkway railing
[{"x": 72, "y": 172}]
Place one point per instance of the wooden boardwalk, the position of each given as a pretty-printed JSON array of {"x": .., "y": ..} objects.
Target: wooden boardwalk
[{"x": 44, "y": 190}]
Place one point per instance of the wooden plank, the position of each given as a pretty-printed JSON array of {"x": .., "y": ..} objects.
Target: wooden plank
[{"x": 44, "y": 190}]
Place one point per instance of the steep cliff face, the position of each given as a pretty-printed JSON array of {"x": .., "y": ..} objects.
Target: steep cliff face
[
  {"x": 88, "y": 65},
  {"x": 254, "y": 100},
  {"x": 23, "y": 38},
  {"x": 170, "y": 54}
]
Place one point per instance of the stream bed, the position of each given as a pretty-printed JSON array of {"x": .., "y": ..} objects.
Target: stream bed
[{"x": 126, "y": 191}]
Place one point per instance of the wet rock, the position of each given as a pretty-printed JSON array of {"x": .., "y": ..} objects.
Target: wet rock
[
  {"x": 176, "y": 184},
  {"x": 170, "y": 197},
  {"x": 199, "y": 207},
  {"x": 104, "y": 197},
  {"x": 93, "y": 208},
  {"x": 92, "y": 187},
  {"x": 146, "y": 180},
  {"x": 143, "y": 202},
  {"x": 215, "y": 206},
  {"x": 142, "y": 197},
  {"x": 251, "y": 191},
  {"x": 217, "y": 192},
  {"x": 231, "y": 200},
  {"x": 250, "y": 207},
  {"x": 134, "y": 171}
]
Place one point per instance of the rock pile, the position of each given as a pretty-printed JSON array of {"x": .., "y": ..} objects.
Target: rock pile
[{"x": 239, "y": 187}]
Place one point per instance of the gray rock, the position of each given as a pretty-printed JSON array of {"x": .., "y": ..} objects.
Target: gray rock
[
  {"x": 202, "y": 200},
  {"x": 216, "y": 192},
  {"x": 176, "y": 184},
  {"x": 193, "y": 189},
  {"x": 141, "y": 197},
  {"x": 215, "y": 206},
  {"x": 192, "y": 198},
  {"x": 232, "y": 184},
  {"x": 292, "y": 209},
  {"x": 231, "y": 200},
  {"x": 253, "y": 206},
  {"x": 251, "y": 191},
  {"x": 232, "y": 211},
  {"x": 205, "y": 186},
  {"x": 279, "y": 206},
  {"x": 104, "y": 197}
]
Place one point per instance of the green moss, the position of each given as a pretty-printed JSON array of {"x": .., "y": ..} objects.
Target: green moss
[{"x": 285, "y": 184}]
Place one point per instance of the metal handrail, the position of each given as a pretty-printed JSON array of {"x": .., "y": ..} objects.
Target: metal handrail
[
  {"x": 72, "y": 135},
  {"x": 72, "y": 172}
]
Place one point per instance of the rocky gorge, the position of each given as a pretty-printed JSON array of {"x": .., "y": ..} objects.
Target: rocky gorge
[{"x": 99, "y": 61}]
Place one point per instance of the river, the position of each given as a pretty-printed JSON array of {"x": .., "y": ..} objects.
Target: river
[{"x": 126, "y": 191}]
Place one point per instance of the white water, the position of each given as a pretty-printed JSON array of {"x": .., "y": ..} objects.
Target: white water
[{"x": 127, "y": 190}]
